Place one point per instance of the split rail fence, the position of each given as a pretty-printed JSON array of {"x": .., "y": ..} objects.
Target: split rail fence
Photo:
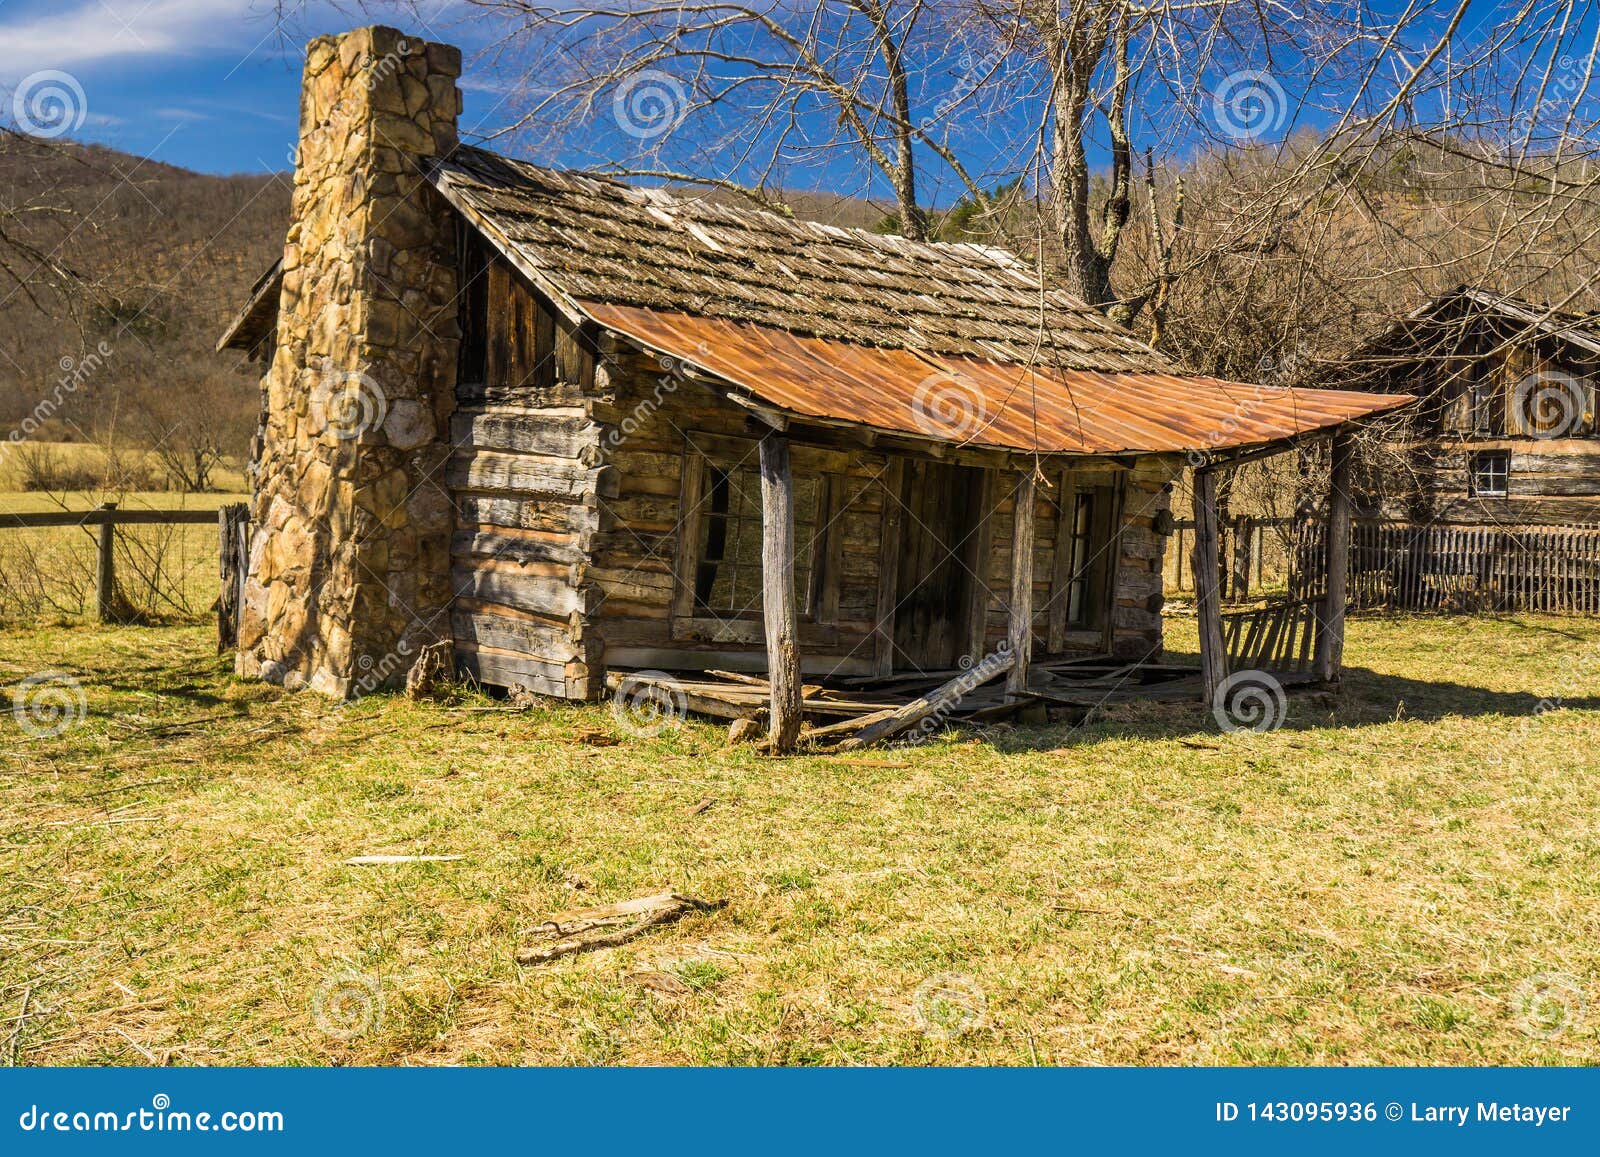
[{"x": 230, "y": 520}]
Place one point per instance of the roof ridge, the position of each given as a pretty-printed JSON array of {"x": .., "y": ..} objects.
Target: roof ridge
[{"x": 997, "y": 254}]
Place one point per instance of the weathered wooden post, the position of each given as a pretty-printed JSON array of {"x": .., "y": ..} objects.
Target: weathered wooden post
[
  {"x": 1243, "y": 542},
  {"x": 1206, "y": 569},
  {"x": 889, "y": 573},
  {"x": 1330, "y": 640},
  {"x": 1019, "y": 628},
  {"x": 105, "y": 587},
  {"x": 232, "y": 540},
  {"x": 777, "y": 588}
]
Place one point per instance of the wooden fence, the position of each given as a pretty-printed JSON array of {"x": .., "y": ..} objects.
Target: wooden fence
[
  {"x": 1406, "y": 566},
  {"x": 1256, "y": 556},
  {"x": 231, "y": 522}
]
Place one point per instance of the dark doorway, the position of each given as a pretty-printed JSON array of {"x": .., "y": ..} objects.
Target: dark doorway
[{"x": 935, "y": 574}]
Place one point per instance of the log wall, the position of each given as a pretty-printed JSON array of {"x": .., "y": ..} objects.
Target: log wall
[
  {"x": 527, "y": 477},
  {"x": 576, "y": 456}
]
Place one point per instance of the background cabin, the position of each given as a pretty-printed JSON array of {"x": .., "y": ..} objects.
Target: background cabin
[{"x": 1506, "y": 430}]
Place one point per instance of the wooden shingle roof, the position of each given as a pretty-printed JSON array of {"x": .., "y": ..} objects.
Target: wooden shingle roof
[{"x": 600, "y": 239}]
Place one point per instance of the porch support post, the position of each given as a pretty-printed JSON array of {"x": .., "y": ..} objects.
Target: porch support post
[
  {"x": 1330, "y": 640},
  {"x": 777, "y": 588},
  {"x": 1207, "y": 569},
  {"x": 1019, "y": 629}
]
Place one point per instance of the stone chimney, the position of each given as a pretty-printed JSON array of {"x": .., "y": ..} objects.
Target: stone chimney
[{"x": 349, "y": 573}]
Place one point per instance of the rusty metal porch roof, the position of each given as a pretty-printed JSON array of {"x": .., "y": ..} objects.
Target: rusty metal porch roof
[{"x": 1001, "y": 405}]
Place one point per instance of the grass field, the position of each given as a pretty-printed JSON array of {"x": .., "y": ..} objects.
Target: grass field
[{"x": 1408, "y": 873}]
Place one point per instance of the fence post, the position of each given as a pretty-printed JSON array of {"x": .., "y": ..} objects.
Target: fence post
[
  {"x": 1243, "y": 542},
  {"x": 106, "y": 573},
  {"x": 233, "y": 550}
]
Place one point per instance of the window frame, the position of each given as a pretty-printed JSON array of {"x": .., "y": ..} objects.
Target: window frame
[
  {"x": 1479, "y": 465},
  {"x": 1095, "y": 577},
  {"x": 819, "y": 602}
]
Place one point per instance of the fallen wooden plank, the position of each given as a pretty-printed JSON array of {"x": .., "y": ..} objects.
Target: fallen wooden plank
[
  {"x": 588, "y": 929},
  {"x": 942, "y": 699},
  {"x": 844, "y": 727}
]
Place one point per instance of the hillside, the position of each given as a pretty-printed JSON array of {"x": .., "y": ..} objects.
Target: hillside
[
  {"x": 98, "y": 246},
  {"x": 152, "y": 260}
]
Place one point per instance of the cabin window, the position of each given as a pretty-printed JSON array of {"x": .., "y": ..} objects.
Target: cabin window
[
  {"x": 1077, "y": 523},
  {"x": 727, "y": 575},
  {"x": 1484, "y": 400},
  {"x": 1084, "y": 563},
  {"x": 1488, "y": 473}
]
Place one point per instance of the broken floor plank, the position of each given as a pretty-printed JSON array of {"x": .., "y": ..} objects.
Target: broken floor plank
[{"x": 942, "y": 699}]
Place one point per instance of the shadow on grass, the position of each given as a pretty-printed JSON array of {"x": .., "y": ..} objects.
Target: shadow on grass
[{"x": 1366, "y": 698}]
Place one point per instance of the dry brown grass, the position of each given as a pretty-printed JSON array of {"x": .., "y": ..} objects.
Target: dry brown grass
[{"x": 1372, "y": 884}]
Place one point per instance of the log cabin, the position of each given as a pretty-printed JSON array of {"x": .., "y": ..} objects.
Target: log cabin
[
  {"x": 573, "y": 426},
  {"x": 1505, "y": 433}
]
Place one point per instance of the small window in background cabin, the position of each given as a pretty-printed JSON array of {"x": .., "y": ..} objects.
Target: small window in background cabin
[
  {"x": 1079, "y": 524},
  {"x": 1488, "y": 473},
  {"x": 727, "y": 579},
  {"x": 1482, "y": 399}
]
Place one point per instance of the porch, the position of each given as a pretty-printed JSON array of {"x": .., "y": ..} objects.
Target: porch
[{"x": 1288, "y": 641}]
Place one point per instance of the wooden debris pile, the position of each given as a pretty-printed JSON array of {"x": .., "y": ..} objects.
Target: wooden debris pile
[{"x": 846, "y": 714}]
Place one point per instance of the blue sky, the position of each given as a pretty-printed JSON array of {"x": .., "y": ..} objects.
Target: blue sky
[{"x": 211, "y": 85}]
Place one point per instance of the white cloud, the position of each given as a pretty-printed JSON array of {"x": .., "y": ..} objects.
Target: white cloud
[{"x": 100, "y": 30}]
